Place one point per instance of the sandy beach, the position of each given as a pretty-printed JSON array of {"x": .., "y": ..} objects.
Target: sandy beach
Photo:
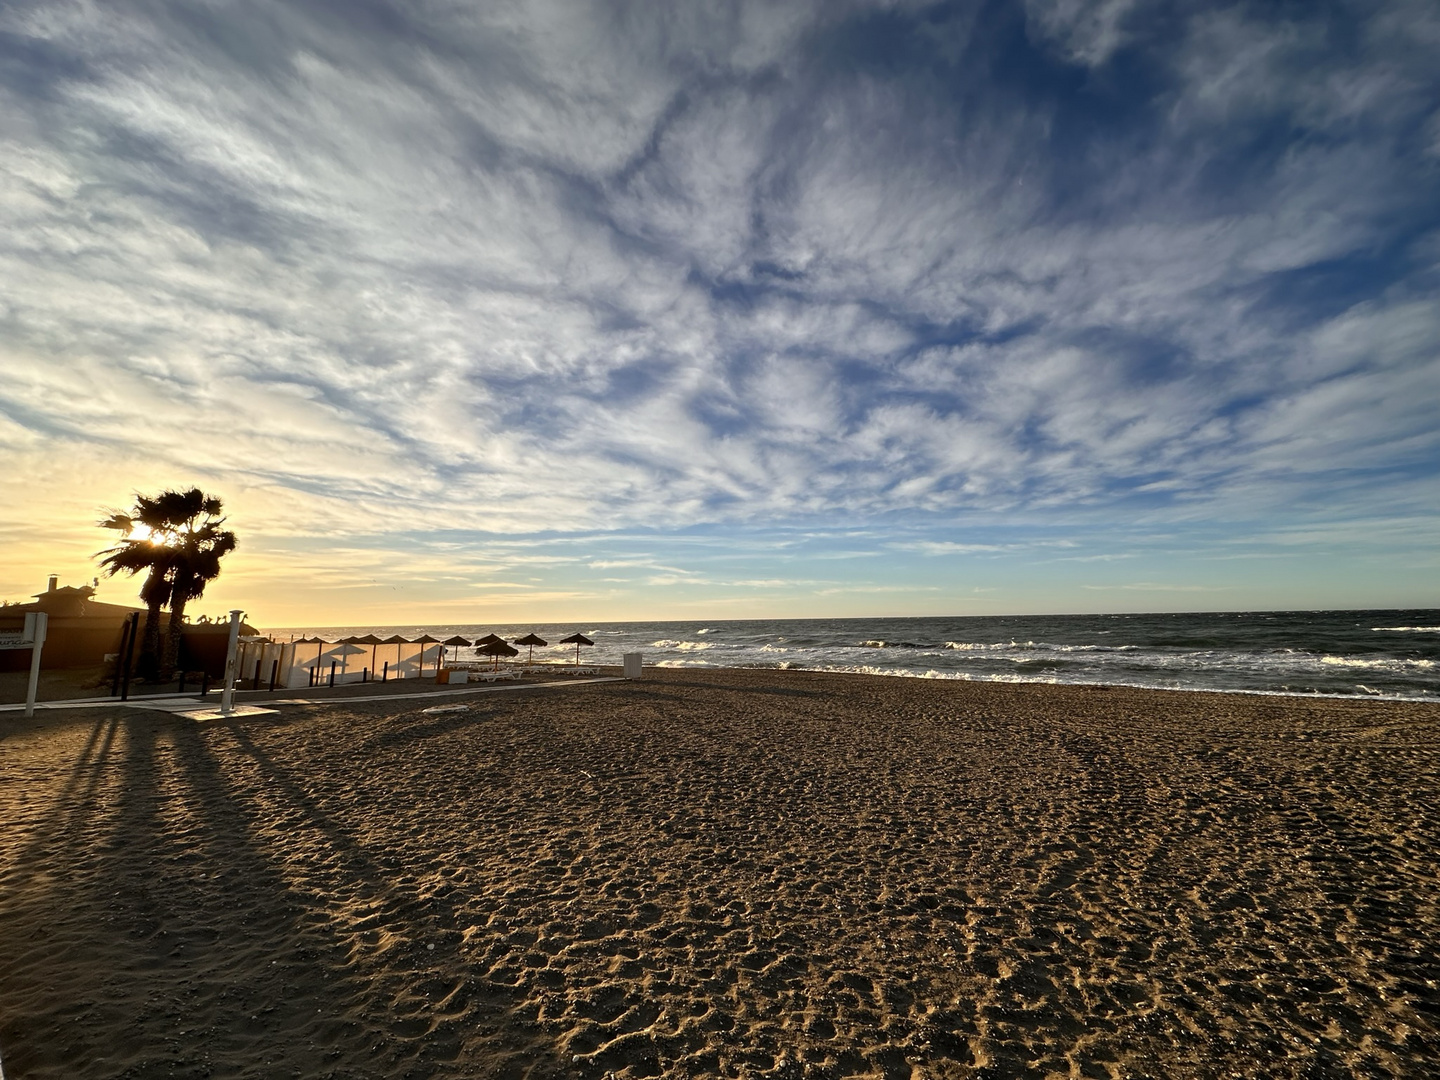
[{"x": 727, "y": 873}]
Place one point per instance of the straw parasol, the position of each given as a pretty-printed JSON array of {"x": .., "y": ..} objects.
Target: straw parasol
[
  {"x": 396, "y": 640},
  {"x": 497, "y": 649},
  {"x": 316, "y": 640},
  {"x": 456, "y": 640},
  {"x": 531, "y": 640},
  {"x": 577, "y": 640},
  {"x": 422, "y": 641},
  {"x": 488, "y": 639},
  {"x": 374, "y": 643}
]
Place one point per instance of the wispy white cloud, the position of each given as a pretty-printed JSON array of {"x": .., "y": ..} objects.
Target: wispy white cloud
[{"x": 526, "y": 268}]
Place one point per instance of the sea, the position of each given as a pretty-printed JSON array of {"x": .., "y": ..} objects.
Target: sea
[{"x": 1375, "y": 654}]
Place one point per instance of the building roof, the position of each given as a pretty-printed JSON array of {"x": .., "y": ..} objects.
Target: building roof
[{"x": 71, "y": 602}]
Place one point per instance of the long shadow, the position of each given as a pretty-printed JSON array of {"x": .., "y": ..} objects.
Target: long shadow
[
  {"x": 73, "y": 805},
  {"x": 392, "y": 910},
  {"x": 194, "y": 942}
]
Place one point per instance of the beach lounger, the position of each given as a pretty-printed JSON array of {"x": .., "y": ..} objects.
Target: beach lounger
[{"x": 496, "y": 676}]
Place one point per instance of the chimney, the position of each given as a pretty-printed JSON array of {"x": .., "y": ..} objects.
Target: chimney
[{"x": 54, "y": 580}]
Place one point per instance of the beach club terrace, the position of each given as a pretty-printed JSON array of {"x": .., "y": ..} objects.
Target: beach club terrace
[{"x": 261, "y": 662}]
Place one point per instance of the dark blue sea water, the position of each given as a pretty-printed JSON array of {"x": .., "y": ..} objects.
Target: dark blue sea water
[{"x": 1390, "y": 654}]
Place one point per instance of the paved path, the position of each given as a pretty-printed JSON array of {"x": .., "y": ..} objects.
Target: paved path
[{"x": 185, "y": 702}]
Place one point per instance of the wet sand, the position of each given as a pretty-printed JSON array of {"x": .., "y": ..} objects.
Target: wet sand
[{"x": 733, "y": 874}]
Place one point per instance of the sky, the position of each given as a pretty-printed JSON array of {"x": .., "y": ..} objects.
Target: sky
[{"x": 499, "y": 311}]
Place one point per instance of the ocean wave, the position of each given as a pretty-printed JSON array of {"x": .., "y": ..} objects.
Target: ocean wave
[
  {"x": 1381, "y": 663},
  {"x": 1406, "y": 629},
  {"x": 892, "y": 645},
  {"x": 672, "y": 644},
  {"x": 703, "y": 630},
  {"x": 976, "y": 646},
  {"x": 1029, "y": 678}
]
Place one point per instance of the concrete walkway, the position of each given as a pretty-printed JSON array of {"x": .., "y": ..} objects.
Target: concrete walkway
[{"x": 179, "y": 703}]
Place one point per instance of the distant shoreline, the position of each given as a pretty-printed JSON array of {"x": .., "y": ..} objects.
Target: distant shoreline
[{"x": 57, "y": 688}]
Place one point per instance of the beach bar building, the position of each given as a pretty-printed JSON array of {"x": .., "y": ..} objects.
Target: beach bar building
[{"x": 84, "y": 632}]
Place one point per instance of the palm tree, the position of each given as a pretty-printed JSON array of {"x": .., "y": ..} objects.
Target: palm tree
[
  {"x": 140, "y": 550},
  {"x": 197, "y": 545},
  {"x": 175, "y": 537}
]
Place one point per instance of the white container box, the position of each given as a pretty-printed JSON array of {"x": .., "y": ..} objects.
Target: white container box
[{"x": 633, "y": 662}]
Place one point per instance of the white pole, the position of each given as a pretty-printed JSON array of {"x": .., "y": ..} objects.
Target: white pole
[
  {"x": 41, "y": 622},
  {"x": 227, "y": 696}
]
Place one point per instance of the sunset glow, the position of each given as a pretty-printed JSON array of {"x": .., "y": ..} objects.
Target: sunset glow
[{"x": 539, "y": 312}]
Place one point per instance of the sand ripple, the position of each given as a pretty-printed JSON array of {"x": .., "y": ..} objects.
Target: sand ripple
[{"x": 732, "y": 874}]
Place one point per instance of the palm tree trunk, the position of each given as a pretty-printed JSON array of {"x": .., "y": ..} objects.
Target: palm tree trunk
[
  {"x": 153, "y": 594},
  {"x": 179, "y": 597}
]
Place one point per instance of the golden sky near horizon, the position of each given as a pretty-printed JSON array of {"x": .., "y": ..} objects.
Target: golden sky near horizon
[{"x": 530, "y": 312}]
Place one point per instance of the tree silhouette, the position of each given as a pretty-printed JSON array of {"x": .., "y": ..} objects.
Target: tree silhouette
[
  {"x": 175, "y": 539},
  {"x": 198, "y": 544}
]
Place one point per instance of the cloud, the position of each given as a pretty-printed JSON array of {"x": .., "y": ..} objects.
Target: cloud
[
  {"x": 530, "y": 269},
  {"x": 1155, "y": 586}
]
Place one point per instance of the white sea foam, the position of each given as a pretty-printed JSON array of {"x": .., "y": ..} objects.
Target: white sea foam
[
  {"x": 1380, "y": 663},
  {"x": 999, "y": 646},
  {"x": 1407, "y": 629},
  {"x": 671, "y": 644},
  {"x": 1005, "y": 677}
]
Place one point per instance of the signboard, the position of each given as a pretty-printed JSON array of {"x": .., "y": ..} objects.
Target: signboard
[{"x": 25, "y": 639}]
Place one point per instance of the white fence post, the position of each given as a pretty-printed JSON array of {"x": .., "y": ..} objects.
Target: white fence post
[
  {"x": 227, "y": 696},
  {"x": 36, "y": 624}
]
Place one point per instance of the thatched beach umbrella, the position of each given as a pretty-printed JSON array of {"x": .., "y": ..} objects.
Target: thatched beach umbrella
[
  {"x": 577, "y": 640},
  {"x": 456, "y": 641},
  {"x": 422, "y": 641},
  {"x": 531, "y": 640},
  {"x": 488, "y": 639},
  {"x": 316, "y": 640},
  {"x": 497, "y": 649},
  {"x": 374, "y": 643},
  {"x": 396, "y": 640}
]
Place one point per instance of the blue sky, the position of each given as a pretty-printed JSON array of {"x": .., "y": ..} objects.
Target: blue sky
[{"x": 545, "y": 310}]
